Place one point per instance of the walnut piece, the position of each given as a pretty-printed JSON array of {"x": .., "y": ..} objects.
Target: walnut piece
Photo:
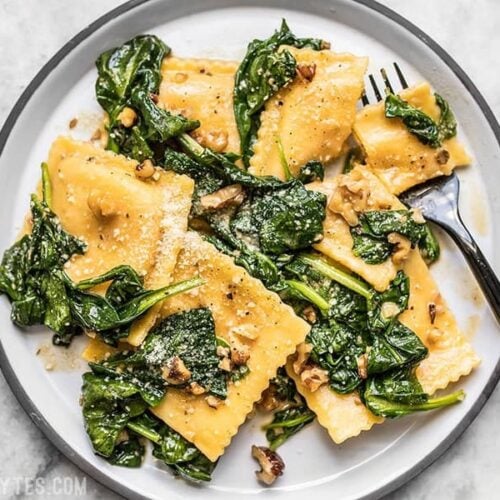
[
  {"x": 127, "y": 117},
  {"x": 302, "y": 356},
  {"x": 271, "y": 464},
  {"x": 240, "y": 355},
  {"x": 362, "y": 362},
  {"x": 144, "y": 170},
  {"x": 227, "y": 196},
  {"x": 175, "y": 371},
  {"x": 195, "y": 389},
  {"x": 306, "y": 71},
  {"x": 314, "y": 377},
  {"x": 213, "y": 402},
  {"x": 403, "y": 247}
]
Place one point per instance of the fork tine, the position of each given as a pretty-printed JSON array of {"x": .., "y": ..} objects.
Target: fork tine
[
  {"x": 387, "y": 83},
  {"x": 401, "y": 77},
  {"x": 364, "y": 99},
  {"x": 376, "y": 91}
]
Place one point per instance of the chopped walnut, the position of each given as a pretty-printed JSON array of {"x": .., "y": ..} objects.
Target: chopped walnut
[
  {"x": 389, "y": 310},
  {"x": 310, "y": 314},
  {"x": 175, "y": 371},
  {"x": 213, "y": 402},
  {"x": 127, "y": 117},
  {"x": 350, "y": 198},
  {"x": 403, "y": 247},
  {"x": 325, "y": 45},
  {"x": 240, "y": 355},
  {"x": 314, "y": 377},
  {"x": 225, "y": 364},
  {"x": 306, "y": 71},
  {"x": 302, "y": 356},
  {"x": 442, "y": 156},
  {"x": 145, "y": 170},
  {"x": 271, "y": 464},
  {"x": 362, "y": 362},
  {"x": 227, "y": 196},
  {"x": 216, "y": 141},
  {"x": 195, "y": 389},
  {"x": 223, "y": 352},
  {"x": 154, "y": 97},
  {"x": 269, "y": 400}
]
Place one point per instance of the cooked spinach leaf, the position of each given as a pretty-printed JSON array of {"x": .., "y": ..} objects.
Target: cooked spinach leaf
[
  {"x": 107, "y": 405},
  {"x": 129, "y": 77},
  {"x": 399, "y": 393},
  {"x": 447, "y": 126},
  {"x": 429, "y": 246},
  {"x": 223, "y": 166},
  {"x": 286, "y": 423},
  {"x": 114, "y": 406},
  {"x": 312, "y": 171},
  {"x": 419, "y": 123},
  {"x": 189, "y": 335},
  {"x": 172, "y": 449},
  {"x": 370, "y": 236},
  {"x": 264, "y": 70},
  {"x": 128, "y": 453},
  {"x": 336, "y": 349},
  {"x": 287, "y": 219}
]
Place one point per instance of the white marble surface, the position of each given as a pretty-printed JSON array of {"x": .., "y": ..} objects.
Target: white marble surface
[{"x": 31, "y": 31}]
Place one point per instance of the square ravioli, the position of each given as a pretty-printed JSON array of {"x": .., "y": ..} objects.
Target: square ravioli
[
  {"x": 311, "y": 118},
  {"x": 396, "y": 155},
  {"x": 245, "y": 312},
  {"x": 123, "y": 220},
  {"x": 202, "y": 89},
  {"x": 450, "y": 356}
]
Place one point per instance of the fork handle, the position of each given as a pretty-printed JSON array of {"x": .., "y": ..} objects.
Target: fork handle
[{"x": 486, "y": 277}]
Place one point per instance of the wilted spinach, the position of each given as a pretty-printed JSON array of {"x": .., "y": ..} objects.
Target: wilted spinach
[
  {"x": 292, "y": 414},
  {"x": 370, "y": 236},
  {"x": 264, "y": 70},
  {"x": 114, "y": 406},
  {"x": 190, "y": 335},
  {"x": 399, "y": 393},
  {"x": 420, "y": 124},
  {"x": 32, "y": 276},
  {"x": 173, "y": 450},
  {"x": 286, "y": 423},
  {"x": 129, "y": 77}
]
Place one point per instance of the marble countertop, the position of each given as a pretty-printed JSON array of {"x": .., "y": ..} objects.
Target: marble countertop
[{"x": 31, "y": 31}]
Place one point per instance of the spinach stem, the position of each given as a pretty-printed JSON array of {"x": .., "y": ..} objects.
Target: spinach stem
[
  {"x": 337, "y": 275},
  {"x": 449, "y": 399},
  {"x": 303, "y": 419},
  {"x": 308, "y": 293},
  {"x": 283, "y": 160},
  {"x": 144, "y": 431},
  {"x": 46, "y": 185}
]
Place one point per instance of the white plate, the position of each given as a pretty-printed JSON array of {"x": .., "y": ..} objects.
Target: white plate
[{"x": 369, "y": 465}]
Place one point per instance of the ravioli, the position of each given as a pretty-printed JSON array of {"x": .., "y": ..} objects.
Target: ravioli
[
  {"x": 450, "y": 354},
  {"x": 123, "y": 220},
  {"x": 245, "y": 313},
  {"x": 397, "y": 156},
  {"x": 312, "y": 119},
  {"x": 202, "y": 89},
  {"x": 337, "y": 240}
]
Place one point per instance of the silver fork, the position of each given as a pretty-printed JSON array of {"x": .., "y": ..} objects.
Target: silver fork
[{"x": 438, "y": 201}]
